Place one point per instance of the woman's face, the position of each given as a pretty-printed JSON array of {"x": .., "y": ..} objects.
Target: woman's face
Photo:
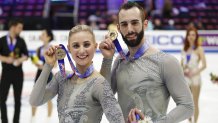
[
  {"x": 44, "y": 36},
  {"x": 192, "y": 37},
  {"x": 82, "y": 48}
]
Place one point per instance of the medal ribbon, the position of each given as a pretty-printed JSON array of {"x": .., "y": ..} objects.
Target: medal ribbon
[
  {"x": 61, "y": 65},
  {"x": 138, "y": 54},
  {"x": 10, "y": 43},
  {"x": 188, "y": 57},
  {"x": 140, "y": 51},
  {"x": 119, "y": 49}
]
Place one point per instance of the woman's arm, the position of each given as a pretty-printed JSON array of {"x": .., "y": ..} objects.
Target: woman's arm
[
  {"x": 42, "y": 92},
  {"x": 202, "y": 59},
  {"x": 103, "y": 93}
]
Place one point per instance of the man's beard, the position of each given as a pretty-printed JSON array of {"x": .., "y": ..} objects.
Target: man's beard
[{"x": 137, "y": 41}]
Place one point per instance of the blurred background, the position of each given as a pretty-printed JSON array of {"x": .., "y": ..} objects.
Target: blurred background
[
  {"x": 63, "y": 14},
  {"x": 168, "y": 20}
]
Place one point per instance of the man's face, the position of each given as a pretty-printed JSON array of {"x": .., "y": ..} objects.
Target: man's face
[
  {"x": 131, "y": 26},
  {"x": 18, "y": 28}
]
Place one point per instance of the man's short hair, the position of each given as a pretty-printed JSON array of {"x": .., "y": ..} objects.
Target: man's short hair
[
  {"x": 15, "y": 22},
  {"x": 130, "y": 5}
]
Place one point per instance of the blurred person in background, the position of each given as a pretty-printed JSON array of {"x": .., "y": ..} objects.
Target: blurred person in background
[
  {"x": 157, "y": 24},
  {"x": 46, "y": 37},
  {"x": 113, "y": 24},
  {"x": 192, "y": 56},
  {"x": 170, "y": 25},
  {"x": 13, "y": 52}
]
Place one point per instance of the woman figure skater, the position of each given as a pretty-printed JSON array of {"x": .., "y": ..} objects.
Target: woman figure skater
[
  {"x": 83, "y": 95},
  {"x": 192, "y": 56},
  {"x": 46, "y": 37}
]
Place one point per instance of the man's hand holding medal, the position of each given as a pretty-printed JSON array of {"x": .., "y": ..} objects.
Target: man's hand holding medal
[
  {"x": 136, "y": 116},
  {"x": 12, "y": 60},
  {"x": 107, "y": 46}
]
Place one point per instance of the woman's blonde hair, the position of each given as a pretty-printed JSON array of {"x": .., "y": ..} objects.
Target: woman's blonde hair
[{"x": 81, "y": 28}]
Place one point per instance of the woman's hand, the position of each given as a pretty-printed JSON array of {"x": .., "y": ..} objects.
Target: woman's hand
[
  {"x": 49, "y": 54},
  {"x": 186, "y": 72}
]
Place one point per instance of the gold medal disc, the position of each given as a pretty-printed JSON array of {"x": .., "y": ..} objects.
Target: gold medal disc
[
  {"x": 60, "y": 53},
  {"x": 113, "y": 34}
]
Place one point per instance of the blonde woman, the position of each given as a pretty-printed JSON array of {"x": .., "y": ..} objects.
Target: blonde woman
[{"x": 83, "y": 95}]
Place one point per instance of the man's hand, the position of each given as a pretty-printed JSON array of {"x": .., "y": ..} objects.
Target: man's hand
[
  {"x": 132, "y": 115},
  {"x": 107, "y": 48},
  {"x": 9, "y": 60}
]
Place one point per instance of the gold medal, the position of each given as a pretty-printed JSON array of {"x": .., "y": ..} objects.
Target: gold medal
[
  {"x": 60, "y": 53},
  {"x": 11, "y": 54},
  {"x": 113, "y": 34}
]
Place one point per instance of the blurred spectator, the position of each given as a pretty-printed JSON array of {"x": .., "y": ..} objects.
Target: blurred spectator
[
  {"x": 201, "y": 5},
  {"x": 158, "y": 7},
  {"x": 149, "y": 6},
  {"x": 93, "y": 22},
  {"x": 1, "y": 11},
  {"x": 102, "y": 25},
  {"x": 1, "y": 23},
  {"x": 200, "y": 25},
  {"x": 82, "y": 22},
  {"x": 157, "y": 24},
  {"x": 191, "y": 25},
  {"x": 113, "y": 24},
  {"x": 170, "y": 25},
  {"x": 167, "y": 9},
  {"x": 93, "y": 25}
]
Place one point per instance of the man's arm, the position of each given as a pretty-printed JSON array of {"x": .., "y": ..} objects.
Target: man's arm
[
  {"x": 109, "y": 74},
  {"x": 4, "y": 59},
  {"x": 107, "y": 49},
  {"x": 179, "y": 90}
]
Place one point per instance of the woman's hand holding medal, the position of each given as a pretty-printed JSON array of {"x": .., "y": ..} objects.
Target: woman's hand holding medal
[{"x": 50, "y": 55}]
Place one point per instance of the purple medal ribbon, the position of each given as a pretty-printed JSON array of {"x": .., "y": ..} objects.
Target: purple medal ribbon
[
  {"x": 113, "y": 35},
  {"x": 188, "y": 57},
  {"x": 137, "y": 117},
  {"x": 119, "y": 49},
  {"x": 10, "y": 44},
  {"x": 88, "y": 72},
  {"x": 140, "y": 51},
  {"x": 138, "y": 54}
]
